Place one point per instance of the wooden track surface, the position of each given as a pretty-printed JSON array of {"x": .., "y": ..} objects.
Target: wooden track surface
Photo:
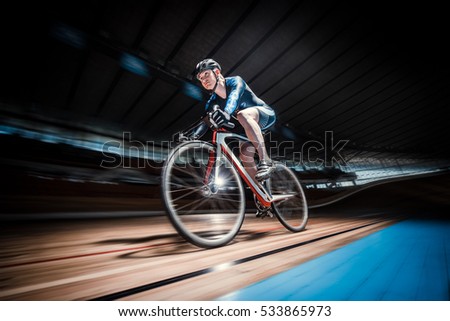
[{"x": 100, "y": 259}]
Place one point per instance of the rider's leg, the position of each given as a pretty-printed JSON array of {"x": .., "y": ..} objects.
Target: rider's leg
[
  {"x": 247, "y": 156},
  {"x": 249, "y": 118}
]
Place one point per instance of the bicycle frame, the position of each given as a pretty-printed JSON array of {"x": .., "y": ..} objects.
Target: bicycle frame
[{"x": 219, "y": 136}]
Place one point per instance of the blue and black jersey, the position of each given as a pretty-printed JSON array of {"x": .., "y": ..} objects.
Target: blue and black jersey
[{"x": 239, "y": 96}]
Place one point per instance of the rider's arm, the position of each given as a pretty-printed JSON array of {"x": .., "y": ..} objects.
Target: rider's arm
[
  {"x": 199, "y": 130},
  {"x": 195, "y": 131},
  {"x": 237, "y": 89}
]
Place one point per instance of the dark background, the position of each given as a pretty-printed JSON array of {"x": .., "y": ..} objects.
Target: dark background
[{"x": 373, "y": 73}]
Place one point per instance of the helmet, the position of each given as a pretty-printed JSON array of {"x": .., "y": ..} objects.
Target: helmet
[{"x": 205, "y": 65}]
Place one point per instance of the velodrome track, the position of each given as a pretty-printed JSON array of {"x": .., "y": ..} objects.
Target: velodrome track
[{"x": 142, "y": 257}]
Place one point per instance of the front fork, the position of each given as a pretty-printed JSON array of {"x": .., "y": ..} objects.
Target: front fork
[
  {"x": 212, "y": 173},
  {"x": 212, "y": 168},
  {"x": 214, "y": 161}
]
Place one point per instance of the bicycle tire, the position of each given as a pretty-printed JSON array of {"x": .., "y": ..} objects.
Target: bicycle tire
[
  {"x": 205, "y": 214},
  {"x": 289, "y": 205}
]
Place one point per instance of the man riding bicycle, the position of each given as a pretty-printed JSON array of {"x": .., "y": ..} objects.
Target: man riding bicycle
[{"x": 235, "y": 98}]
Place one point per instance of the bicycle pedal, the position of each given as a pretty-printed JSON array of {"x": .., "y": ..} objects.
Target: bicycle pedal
[{"x": 264, "y": 213}]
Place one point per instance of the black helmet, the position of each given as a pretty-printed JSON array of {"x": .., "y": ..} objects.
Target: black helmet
[{"x": 205, "y": 65}]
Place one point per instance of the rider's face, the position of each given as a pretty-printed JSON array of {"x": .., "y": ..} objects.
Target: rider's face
[{"x": 208, "y": 79}]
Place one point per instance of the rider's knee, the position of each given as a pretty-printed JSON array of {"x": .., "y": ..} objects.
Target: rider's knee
[{"x": 244, "y": 116}]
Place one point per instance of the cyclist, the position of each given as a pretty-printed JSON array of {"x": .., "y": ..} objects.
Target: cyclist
[{"x": 235, "y": 98}]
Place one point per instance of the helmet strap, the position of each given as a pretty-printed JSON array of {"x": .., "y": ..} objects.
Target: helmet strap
[{"x": 215, "y": 86}]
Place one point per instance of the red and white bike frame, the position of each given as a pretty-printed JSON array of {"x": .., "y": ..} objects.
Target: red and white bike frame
[{"x": 219, "y": 137}]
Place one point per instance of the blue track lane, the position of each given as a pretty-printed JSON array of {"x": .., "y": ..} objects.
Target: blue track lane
[{"x": 406, "y": 261}]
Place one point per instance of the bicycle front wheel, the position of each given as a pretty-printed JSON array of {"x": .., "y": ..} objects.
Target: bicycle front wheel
[
  {"x": 205, "y": 207},
  {"x": 289, "y": 202}
]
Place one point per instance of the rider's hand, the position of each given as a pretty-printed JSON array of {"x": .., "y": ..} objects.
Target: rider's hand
[
  {"x": 219, "y": 118},
  {"x": 181, "y": 137}
]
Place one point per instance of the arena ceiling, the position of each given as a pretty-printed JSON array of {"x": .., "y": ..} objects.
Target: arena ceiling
[{"x": 370, "y": 72}]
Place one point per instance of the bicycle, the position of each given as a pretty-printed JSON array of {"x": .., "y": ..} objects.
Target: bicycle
[{"x": 204, "y": 195}]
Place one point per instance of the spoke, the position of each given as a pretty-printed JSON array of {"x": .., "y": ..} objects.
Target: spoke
[
  {"x": 227, "y": 199},
  {"x": 191, "y": 173},
  {"x": 180, "y": 180},
  {"x": 184, "y": 195},
  {"x": 200, "y": 202},
  {"x": 186, "y": 189},
  {"x": 281, "y": 202},
  {"x": 282, "y": 197}
]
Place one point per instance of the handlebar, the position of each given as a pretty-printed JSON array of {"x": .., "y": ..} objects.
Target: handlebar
[{"x": 229, "y": 124}]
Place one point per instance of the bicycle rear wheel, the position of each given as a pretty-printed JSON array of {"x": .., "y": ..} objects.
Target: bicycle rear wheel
[
  {"x": 207, "y": 209},
  {"x": 289, "y": 203}
]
